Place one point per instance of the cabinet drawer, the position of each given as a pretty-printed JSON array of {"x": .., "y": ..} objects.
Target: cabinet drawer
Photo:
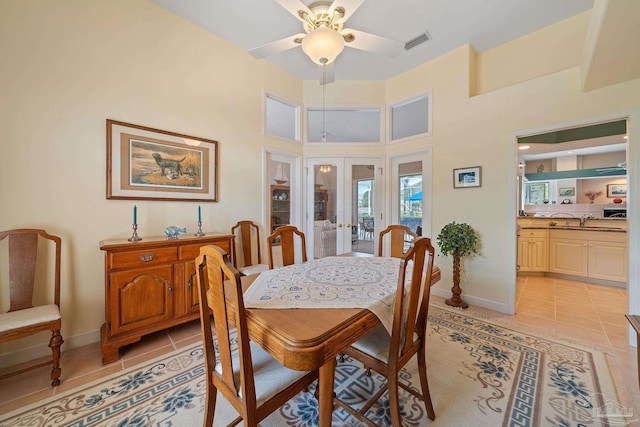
[
  {"x": 190, "y": 252},
  {"x": 142, "y": 257},
  {"x": 532, "y": 233}
]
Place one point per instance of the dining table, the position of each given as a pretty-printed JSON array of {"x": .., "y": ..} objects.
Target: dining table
[{"x": 312, "y": 337}]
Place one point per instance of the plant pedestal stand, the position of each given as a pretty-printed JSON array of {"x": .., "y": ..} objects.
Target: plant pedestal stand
[{"x": 455, "y": 300}]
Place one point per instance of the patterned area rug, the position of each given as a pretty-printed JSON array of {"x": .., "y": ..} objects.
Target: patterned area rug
[{"x": 480, "y": 373}]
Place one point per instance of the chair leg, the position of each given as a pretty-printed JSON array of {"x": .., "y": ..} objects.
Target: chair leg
[
  {"x": 210, "y": 406},
  {"x": 422, "y": 369},
  {"x": 394, "y": 400},
  {"x": 54, "y": 343}
]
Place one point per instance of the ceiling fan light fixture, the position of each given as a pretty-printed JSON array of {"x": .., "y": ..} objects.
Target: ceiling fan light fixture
[{"x": 323, "y": 45}]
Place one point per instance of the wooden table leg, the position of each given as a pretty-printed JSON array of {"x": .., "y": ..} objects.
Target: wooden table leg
[{"x": 325, "y": 395}]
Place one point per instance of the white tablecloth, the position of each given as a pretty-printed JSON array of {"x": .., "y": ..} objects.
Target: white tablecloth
[{"x": 332, "y": 282}]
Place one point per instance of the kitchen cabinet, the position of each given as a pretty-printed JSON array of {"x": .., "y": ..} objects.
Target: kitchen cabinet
[
  {"x": 149, "y": 286},
  {"x": 532, "y": 250},
  {"x": 592, "y": 254}
]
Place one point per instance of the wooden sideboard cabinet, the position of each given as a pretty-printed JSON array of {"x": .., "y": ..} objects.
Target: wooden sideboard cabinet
[{"x": 150, "y": 285}]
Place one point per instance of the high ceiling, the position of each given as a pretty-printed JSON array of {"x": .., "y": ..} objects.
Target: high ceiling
[{"x": 450, "y": 23}]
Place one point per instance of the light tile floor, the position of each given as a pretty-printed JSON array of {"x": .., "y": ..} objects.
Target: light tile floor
[{"x": 588, "y": 314}]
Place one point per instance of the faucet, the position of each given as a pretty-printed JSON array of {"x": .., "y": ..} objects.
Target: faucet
[{"x": 583, "y": 218}]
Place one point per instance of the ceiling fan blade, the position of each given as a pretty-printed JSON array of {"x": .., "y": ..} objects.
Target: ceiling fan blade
[
  {"x": 327, "y": 73},
  {"x": 372, "y": 43},
  {"x": 349, "y": 7},
  {"x": 276, "y": 47},
  {"x": 294, "y": 6}
]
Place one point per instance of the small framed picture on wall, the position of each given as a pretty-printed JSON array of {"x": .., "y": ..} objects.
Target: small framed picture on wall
[
  {"x": 566, "y": 191},
  {"x": 617, "y": 190},
  {"x": 467, "y": 177}
]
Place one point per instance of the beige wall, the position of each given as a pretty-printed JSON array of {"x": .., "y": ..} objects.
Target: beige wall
[{"x": 69, "y": 65}]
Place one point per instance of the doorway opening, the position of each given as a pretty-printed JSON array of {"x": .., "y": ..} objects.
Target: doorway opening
[{"x": 563, "y": 177}]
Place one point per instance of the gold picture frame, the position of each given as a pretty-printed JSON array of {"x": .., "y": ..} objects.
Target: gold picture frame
[{"x": 144, "y": 163}]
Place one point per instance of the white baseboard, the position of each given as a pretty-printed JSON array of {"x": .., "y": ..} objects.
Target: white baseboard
[
  {"x": 480, "y": 302},
  {"x": 42, "y": 350}
]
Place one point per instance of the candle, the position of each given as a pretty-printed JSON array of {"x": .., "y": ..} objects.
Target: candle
[
  {"x": 199, "y": 215},
  {"x": 135, "y": 214}
]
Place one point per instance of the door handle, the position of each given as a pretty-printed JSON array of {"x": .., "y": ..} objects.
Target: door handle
[
  {"x": 339, "y": 225},
  {"x": 348, "y": 225}
]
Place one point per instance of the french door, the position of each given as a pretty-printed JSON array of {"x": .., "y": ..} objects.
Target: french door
[{"x": 343, "y": 200}]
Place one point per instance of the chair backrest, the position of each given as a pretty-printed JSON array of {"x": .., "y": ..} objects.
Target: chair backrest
[
  {"x": 248, "y": 240},
  {"x": 213, "y": 267},
  {"x": 412, "y": 298},
  {"x": 285, "y": 238},
  {"x": 399, "y": 237},
  {"x": 23, "y": 250}
]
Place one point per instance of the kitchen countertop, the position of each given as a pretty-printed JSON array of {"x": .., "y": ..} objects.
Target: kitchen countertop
[{"x": 615, "y": 225}]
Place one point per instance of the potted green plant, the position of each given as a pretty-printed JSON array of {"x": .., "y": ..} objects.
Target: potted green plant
[{"x": 457, "y": 240}]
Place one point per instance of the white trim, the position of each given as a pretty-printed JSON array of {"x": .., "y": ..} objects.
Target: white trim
[
  {"x": 296, "y": 105},
  {"x": 480, "y": 302},
  {"x": 343, "y": 107},
  {"x": 429, "y": 95}
]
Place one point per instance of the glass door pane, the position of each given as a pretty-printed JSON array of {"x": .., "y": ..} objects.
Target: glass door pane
[
  {"x": 323, "y": 207},
  {"x": 410, "y": 203},
  {"x": 363, "y": 211},
  {"x": 410, "y": 192}
]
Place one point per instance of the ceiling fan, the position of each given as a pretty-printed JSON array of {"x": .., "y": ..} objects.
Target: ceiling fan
[
  {"x": 619, "y": 167},
  {"x": 324, "y": 35}
]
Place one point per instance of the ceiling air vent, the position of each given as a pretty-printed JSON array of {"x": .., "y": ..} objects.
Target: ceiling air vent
[{"x": 417, "y": 41}]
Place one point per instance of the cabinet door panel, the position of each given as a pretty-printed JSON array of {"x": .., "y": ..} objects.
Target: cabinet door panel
[
  {"x": 539, "y": 257},
  {"x": 189, "y": 298},
  {"x": 524, "y": 256},
  {"x": 140, "y": 298},
  {"x": 608, "y": 261},
  {"x": 568, "y": 256}
]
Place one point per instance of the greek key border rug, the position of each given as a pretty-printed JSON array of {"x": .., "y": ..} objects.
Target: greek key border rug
[{"x": 480, "y": 373}]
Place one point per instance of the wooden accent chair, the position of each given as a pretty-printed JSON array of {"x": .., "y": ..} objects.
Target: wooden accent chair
[
  {"x": 387, "y": 354},
  {"x": 285, "y": 237},
  {"x": 399, "y": 236},
  {"x": 23, "y": 318},
  {"x": 249, "y": 378},
  {"x": 248, "y": 240}
]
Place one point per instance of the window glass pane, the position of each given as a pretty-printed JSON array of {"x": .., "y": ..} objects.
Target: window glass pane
[
  {"x": 281, "y": 119},
  {"x": 343, "y": 125},
  {"x": 536, "y": 193},
  {"x": 411, "y": 195},
  {"x": 410, "y": 118}
]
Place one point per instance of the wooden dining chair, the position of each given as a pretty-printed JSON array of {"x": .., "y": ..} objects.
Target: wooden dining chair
[
  {"x": 399, "y": 236},
  {"x": 28, "y": 276},
  {"x": 247, "y": 235},
  {"x": 253, "y": 382},
  {"x": 285, "y": 238},
  {"x": 388, "y": 354}
]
